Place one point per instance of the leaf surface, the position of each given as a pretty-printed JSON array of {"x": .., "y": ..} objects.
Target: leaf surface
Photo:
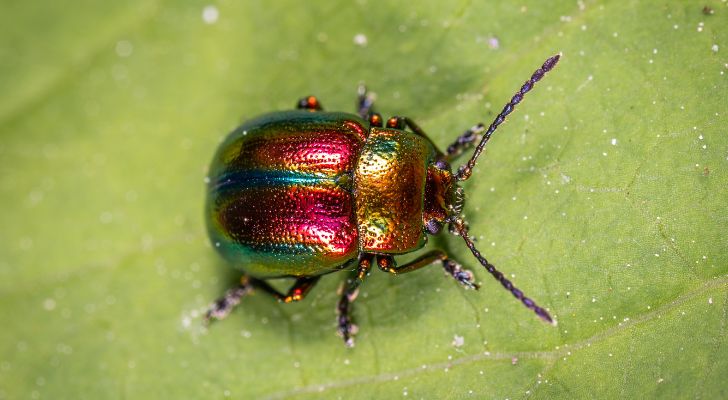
[{"x": 603, "y": 197}]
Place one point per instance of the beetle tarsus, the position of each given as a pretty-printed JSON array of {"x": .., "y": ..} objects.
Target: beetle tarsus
[
  {"x": 222, "y": 307},
  {"x": 465, "y": 141},
  {"x": 346, "y": 328},
  {"x": 365, "y": 102},
  {"x": 464, "y": 276}
]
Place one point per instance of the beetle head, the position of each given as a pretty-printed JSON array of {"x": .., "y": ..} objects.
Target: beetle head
[{"x": 443, "y": 197}]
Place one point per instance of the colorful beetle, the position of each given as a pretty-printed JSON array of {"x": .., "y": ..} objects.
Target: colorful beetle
[{"x": 303, "y": 193}]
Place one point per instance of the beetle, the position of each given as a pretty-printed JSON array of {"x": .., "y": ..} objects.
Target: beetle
[{"x": 306, "y": 192}]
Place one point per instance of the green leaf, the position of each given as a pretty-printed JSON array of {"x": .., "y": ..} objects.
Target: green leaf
[{"x": 604, "y": 197}]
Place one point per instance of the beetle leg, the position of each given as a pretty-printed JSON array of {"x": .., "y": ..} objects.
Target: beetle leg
[
  {"x": 310, "y": 103},
  {"x": 222, "y": 306},
  {"x": 463, "y": 276},
  {"x": 364, "y": 102},
  {"x": 365, "y": 107},
  {"x": 465, "y": 141},
  {"x": 347, "y": 329},
  {"x": 297, "y": 292}
]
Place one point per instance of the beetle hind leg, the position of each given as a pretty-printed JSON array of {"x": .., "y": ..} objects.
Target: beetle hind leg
[
  {"x": 364, "y": 101},
  {"x": 225, "y": 304}
]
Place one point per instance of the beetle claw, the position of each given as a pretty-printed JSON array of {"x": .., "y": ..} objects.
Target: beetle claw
[
  {"x": 464, "y": 276},
  {"x": 347, "y": 330}
]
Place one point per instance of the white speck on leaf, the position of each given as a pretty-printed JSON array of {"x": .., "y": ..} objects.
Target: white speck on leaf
[
  {"x": 50, "y": 304},
  {"x": 124, "y": 48},
  {"x": 210, "y": 14},
  {"x": 360, "y": 39}
]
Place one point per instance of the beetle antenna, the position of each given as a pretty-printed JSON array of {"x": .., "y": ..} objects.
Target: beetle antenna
[
  {"x": 459, "y": 227},
  {"x": 466, "y": 170}
]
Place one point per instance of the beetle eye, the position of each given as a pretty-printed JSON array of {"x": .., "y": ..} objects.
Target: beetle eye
[{"x": 433, "y": 227}]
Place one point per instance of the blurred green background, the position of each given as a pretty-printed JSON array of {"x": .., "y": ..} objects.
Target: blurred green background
[{"x": 604, "y": 197}]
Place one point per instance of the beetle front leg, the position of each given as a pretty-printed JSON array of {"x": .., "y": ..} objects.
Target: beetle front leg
[
  {"x": 465, "y": 141},
  {"x": 346, "y": 327},
  {"x": 463, "y": 276}
]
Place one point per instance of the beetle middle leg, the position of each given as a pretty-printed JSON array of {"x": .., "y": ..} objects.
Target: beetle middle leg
[
  {"x": 346, "y": 327},
  {"x": 463, "y": 276},
  {"x": 297, "y": 292}
]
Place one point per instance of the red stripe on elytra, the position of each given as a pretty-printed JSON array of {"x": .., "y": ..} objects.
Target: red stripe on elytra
[
  {"x": 327, "y": 152},
  {"x": 320, "y": 217}
]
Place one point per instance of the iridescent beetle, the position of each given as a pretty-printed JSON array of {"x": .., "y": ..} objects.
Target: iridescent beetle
[{"x": 303, "y": 193}]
